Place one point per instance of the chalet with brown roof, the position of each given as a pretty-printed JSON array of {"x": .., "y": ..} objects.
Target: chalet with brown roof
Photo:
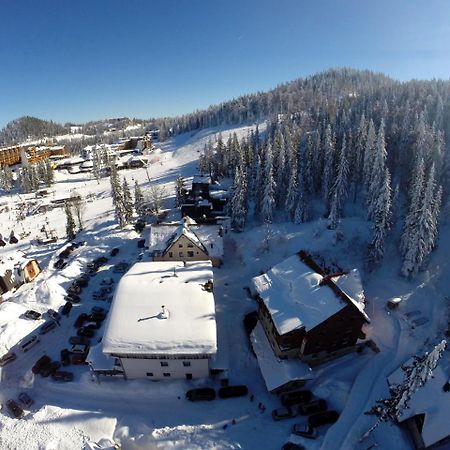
[{"x": 308, "y": 314}]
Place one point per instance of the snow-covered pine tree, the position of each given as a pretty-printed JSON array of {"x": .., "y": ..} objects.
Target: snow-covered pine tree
[
  {"x": 239, "y": 200},
  {"x": 376, "y": 173},
  {"x": 180, "y": 191},
  {"x": 96, "y": 164},
  {"x": 417, "y": 373},
  {"x": 70, "y": 222},
  {"x": 268, "y": 193},
  {"x": 49, "y": 174},
  {"x": 138, "y": 197},
  {"x": 127, "y": 201},
  {"x": 328, "y": 167},
  {"x": 382, "y": 221},
  {"x": 369, "y": 153},
  {"x": 339, "y": 190},
  {"x": 6, "y": 178},
  {"x": 119, "y": 209},
  {"x": 425, "y": 228},
  {"x": 115, "y": 183},
  {"x": 301, "y": 213},
  {"x": 280, "y": 165}
]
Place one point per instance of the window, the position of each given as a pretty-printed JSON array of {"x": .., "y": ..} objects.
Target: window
[
  {"x": 190, "y": 254},
  {"x": 180, "y": 245},
  {"x": 166, "y": 374},
  {"x": 149, "y": 374},
  {"x": 190, "y": 245},
  {"x": 212, "y": 245},
  {"x": 180, "y": 254},
  {"x": 170, "y": 255},
  {"x": 186, "y": 363},
  {"x": 189, "y": 376},
  {"x": 164, "y": 364}
]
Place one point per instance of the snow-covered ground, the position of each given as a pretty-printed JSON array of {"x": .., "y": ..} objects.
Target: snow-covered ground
[{"x": 146, "y": 415}]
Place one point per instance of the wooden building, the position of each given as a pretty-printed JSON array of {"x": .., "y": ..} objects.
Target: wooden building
[{"x": 307, "y": 314}]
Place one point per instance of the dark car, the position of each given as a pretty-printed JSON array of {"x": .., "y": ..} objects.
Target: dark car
[
  {"x": 47, "y": 326},
  {"x": 86, "y": 332},
  {"x": 292, "y": 446},
  {"x": 304, "y": 430},
  {"x": 14, "y": 409},
  {"x": 92, "y": 324},
  {"x": 61, "y": 375},
  {"x": 66, "y": 309},
  {"x": 81, "y": 282},
  {"x": 295, "y": 397},
  {"x": 79, "y": 358},
  {"x": 7, "y": 358},
  {"x": 31, "y": 315},
  {"x": 283, "y": 413},
  {"x": 25, "y": 399},
  {"x": 201, "y": 394},
  {"x": 233, "y": 391},
  {"x": 97, "y": 317},
  {"x": 114, "y": 251},
  {"x": 101, "y": 260},
  {"x": 72, "y": 298},
  {"x": 250, "y": 321},
  {"x": 313, "y": 407},
  {"x": 40, "y": 363},
  {"x": 65, "y": 357},
  {"x": 54, "y": 315},
  {"x": 60, "y": 264},
  {"x": 141, "y": 243},
  {"x": 323, "y": 418},
  {"x": 74, "y": 289},
  {"x": 79, "y": 340},
  {"x": 49, "y": 368},
  {"x": 80, "y": 320},
  {"x": 98, "y": 310}
]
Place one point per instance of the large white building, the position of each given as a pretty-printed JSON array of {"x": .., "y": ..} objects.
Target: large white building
[{"x": 162, "y": 321}]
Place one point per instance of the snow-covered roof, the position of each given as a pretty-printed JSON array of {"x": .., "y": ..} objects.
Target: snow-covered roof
[
  {"x": 276, "y": 372},
  {"x": 161, "y": 236},
  {"x": 292, "y": 293},
  {"x": 135, "y": 324},
  {"x": 430, "y": 400}
]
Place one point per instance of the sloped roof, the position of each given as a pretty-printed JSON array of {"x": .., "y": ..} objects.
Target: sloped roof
[{"x": 294, "y": 296}]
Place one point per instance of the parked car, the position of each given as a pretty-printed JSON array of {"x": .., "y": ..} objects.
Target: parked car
[
  {"x": 61, "y": 375},
  {"x": 65, "y": 357},
  {"x": 106, "y": 290},
  {"x": 80, "y": 320},
  {"x": 201, "y": 394},
  {"x": 72, "y": 298},
  {"x": 292, "y": 446},
  {"x": 295, "y": 397},
  {"x": 97, "y": 315},
  {"x": 141, "y": 243},
  {"x": 29, "y": 342},
  {"x": 74, "y": 289},
  {"x": 98, "y": 310},
  {"x": 86, "y": 332},
  {"x": 283, "y": 413},
  {"x": 54, "y": 315},
  {"x": 79, "y": 340},
  {"x": 233, "y": 391},
  {"x": 304, "y": 430},
  {"x": 250, "y": 321},
  {"x": 7, "y": 358},
  {"x": 92, "y": 324},
  {"x": 323, "y": 418},
  {"x": 66, "y": 309},
  {"x": 60, "y": 264},
  {"x": 47, "y": 326},
  {"x": 31, "y": 315},
  {"x": 102, "y": 260},
  {"x": 82, "y": 281},
  {"x": 15, "y": 409},
  {"x": 40, "y": 363},
  {"x": 313, "y": 407},
  {"x": 107, "y": 281},
  {"x": 114, "y": 251},
  {"x": 79, "y": 358},
  {"x": 25, "y": 399},
  {"x": 121, "y": 267},
  {"x": 48, "y": 369},
  {"x": 99, "y": 295}
]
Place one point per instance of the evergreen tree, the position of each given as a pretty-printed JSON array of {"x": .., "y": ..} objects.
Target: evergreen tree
[
  {"x": 127, "y": 202},
  {"x": 138, "y": 197},
  {"x": 301, "y": 213},
  {"x": 268, "y": 196},
  {"x": 119, "y": 210},
  {"x": 115, "y": 183},
  {"x": 327, "y": 177},
  {"x": 239, "y": 200},
  {"x": 49, "y": 174},
  {"x": 382, "y": 221},
  {"x": 339, "y": 191},
  {"x": 180, "y": 191},
  {"x": 369, "y": 153},
  {"x": 70, "y": 222}
]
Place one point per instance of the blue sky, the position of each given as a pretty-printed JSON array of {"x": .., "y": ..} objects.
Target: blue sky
[{"x": 91, "y": 59}]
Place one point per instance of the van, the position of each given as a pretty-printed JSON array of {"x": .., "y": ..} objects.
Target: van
[
  {"x": 295, "y": 397},
  {"x": 28, "y": 343}
]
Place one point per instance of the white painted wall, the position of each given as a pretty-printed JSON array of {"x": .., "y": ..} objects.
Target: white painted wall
[{"x": 138, "y": 368}]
